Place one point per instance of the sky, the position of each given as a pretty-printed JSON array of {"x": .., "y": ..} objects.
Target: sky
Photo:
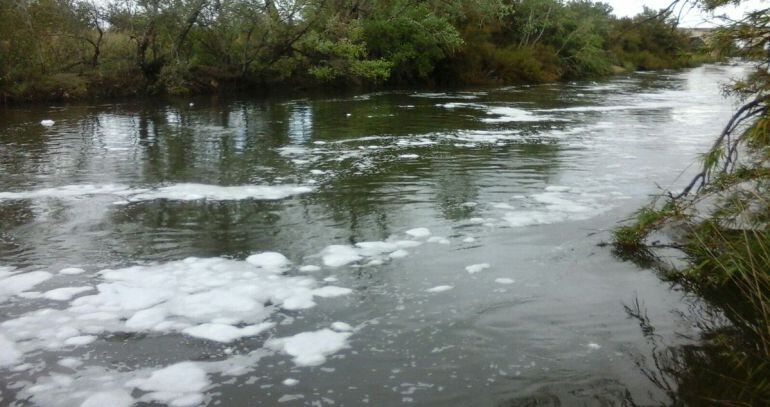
[{"x": 694, "y": 18}]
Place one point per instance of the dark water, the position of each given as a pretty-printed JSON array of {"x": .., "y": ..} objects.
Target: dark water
[{"x": 526, "y": 180}]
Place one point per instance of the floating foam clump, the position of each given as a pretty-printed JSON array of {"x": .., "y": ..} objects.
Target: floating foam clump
[
  {"x": 71, "y": 271},
  {"x": 216, "y": 299},
  {"x": 225, "y": 333},
  {"x": 477, "y": 268},
  {"x": 440, "y": 288},
  {"x": 115, "y": 398},
  {"x": 47, "y": 123},
  {"x": 418, "y": 233},
  {"x": 12, "y": 284},
  {"x": 339, "y": 255},
  {"x": 311, "y": 348},
  {"x": 175, "y": 192},
  {"x": 376, "y": 251},
  {"x": 9, "y": 355},
  {"x": 181, "y": 384},
  {"x": 269, "y": 261},
  {"x": 560, "y": 204},
  {"x": 65, "y": 293},
  {"x": 511, "y": 114}
]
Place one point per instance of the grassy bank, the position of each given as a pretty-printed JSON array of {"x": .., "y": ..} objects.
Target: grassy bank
[
  {"x": 75, "y": 49},
  {"x": 720, "y": 224}
]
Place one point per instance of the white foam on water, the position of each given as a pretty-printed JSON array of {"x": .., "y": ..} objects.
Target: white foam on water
[
  {"x": 438, "y": 239},
  {"x": 70, "y": 363},
  {"x": 226, "y": 333},
  {"x": 14, "y": 283},
  {"x": 311, "y": 348},
  {"x": 440, "y": 288},
  {"x": 339, "y": 255},
  {"x": 269, "y": 261},
  {"x": 47, "y": 123},
  {"x": 477, "y": 268},
  {"x": 473, "y": 138},
  {"x": 435, "y": 95},
  {"x": 375, "y": 252},
  {"x": 72, "y": 271},
  {"x": 290, "y": 382},
  {"x": 399, "y": 254},
  {"x": 409, "y": 156},
  {"x": 419, "y": 233},
  {"x": 512, "y": 114},
  {"x": 558, "y": 204},
  {"x": 331, "y": 291},
  {"x": 309, "y": 268},
  {"x": 340, "y": 326},
  {"x": 192, "y": 192},
  {"x": 215, "y": 298},
  {"x": 114, "y": 398},
  {"x": 79, "y": 340},
  {"x": 460, "y": 105},
  {"x": 65, "y": 293},
  {"x": 504, "y": 281},
  {"x": 614, "y": 108},
  {"x": 290, "y": 397},
  {"x": 175, "y": 192},
  {"x": 71, "y": 191},
  {"x": 181, "y": 384},
  {"x": 9, "y": 354}
]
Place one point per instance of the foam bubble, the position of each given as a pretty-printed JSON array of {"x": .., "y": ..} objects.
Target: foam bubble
[
  {"x": 114, "y": 398},
  {"x": 12, "y": 284},
  {"x": 339, "y": 255},
  {"x": 311, "y": 348},
  {"x": 270, "y": 261},
  {"x": 65, "y": 293},
  {"x": 225, "y": 333},
  {"x": 72, "y": 271},
  {"x": 511, "y": 114},
  {"x": 181, "y": 384},
  {"x": 477, "y": 268},
  {"x": 440, "y": 288},
  {"x": 418, "y": 232},
  {"x": 290, "y": 382}
]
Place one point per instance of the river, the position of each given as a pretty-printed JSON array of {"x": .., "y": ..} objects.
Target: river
[{"x": 386, "y": 248}]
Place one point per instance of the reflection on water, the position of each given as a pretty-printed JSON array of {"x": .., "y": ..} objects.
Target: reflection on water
[{"x": 520, "y": 178}]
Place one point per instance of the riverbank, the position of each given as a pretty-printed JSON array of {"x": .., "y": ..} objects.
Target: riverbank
[{"x": 58, "y": 51}]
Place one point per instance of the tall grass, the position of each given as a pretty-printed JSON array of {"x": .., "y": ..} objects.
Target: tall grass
[{"x": 729, "y": 266}]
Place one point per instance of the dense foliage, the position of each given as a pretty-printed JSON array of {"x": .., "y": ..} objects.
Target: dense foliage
[
  {"x": 722, "y": 218},
  {"x": 72, "y": 48}
]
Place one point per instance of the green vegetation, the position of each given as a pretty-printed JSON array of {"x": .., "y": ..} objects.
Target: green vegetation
[
  {"x": 65, "y": 49},
  {"x": 721, "y": 219}
]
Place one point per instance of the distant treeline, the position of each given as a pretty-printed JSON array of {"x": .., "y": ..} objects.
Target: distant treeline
[{"x": 60, "y": 49}]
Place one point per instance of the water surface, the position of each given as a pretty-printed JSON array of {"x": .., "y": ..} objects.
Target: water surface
[{"x": 151, "y": 208}]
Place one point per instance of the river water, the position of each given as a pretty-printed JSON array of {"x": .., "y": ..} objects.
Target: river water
[{"x": 386, "y": 248}]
